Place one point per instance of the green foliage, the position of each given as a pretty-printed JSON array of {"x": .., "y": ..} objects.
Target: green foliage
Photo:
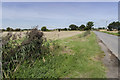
[
  {"x": 9, "y": 29},
  {"x": 86, "y": 33},
  {"x": 44, "y": 28},
  {"x": 82, "y": 27},
  {"x": 73, "y": 27},
  {"x": 17, "y": 29},
  {"x": 101, "y": 28},
  {"x": 117, "y": 34},
  {"x": 3, "y": 29},
  {"x": 65, "y": 29},
  {"x": 89, "y": 25},
  {"x": 16, "y": 51},
  {"x": 114, "y": 25},
  {"x": 80, "y": 63}
]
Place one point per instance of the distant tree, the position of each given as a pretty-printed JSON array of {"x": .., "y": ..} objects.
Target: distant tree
[
  {"x": 114, "y": 25},
  {"x": 69, "y": 29},
  {"x": 59, "y": 30},
  {"x": 3, "y": 29},
  {"x": 89, "y": 25},
  {"x": 65, "y": 29},
  {"x": 9, "y": 29},
  {"x": 17, "y": 29},
  {"x": 82, "y": 27},
  {"x": 118, "y": 25},
  {"x": 73, "y": 27},
  {"x": 44, "y": 28},
  {"x": 101, "y": 28},
  {"x": 86, "y": 28},
  {"x": 93, "y": 28}
]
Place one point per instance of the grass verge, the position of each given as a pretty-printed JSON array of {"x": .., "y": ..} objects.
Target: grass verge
[
  {"x": 117, "y": 34},
  {"x": 77, "y": 57}
]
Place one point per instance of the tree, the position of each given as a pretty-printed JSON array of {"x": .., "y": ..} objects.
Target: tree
[
  {"x": 101, "y": 28},
  {"x": 114, "y": 25},
  {"x": 9, "y": 29},
  {"x": 44, "y": 28},
  {"x": 3, "y": 29},
  {"x": 65, "y": 29},
  {"x": 89, "y": 25},
  {"x": 59, "y": 30},
  {"x": 73, "y": 27},
  {"x": 82, "y": 27},
  {"x": 17, "y": 29}
]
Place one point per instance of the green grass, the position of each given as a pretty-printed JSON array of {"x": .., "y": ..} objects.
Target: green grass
[
  {"x": 77, "y": 57},
  {"x": 117, "y": 34}
]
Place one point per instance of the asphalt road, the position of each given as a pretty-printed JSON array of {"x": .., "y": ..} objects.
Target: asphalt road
[{"x": 110, "y": 41}]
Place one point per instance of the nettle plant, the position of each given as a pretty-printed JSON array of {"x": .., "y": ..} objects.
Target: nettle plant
[{"x": 16, "y": 51}]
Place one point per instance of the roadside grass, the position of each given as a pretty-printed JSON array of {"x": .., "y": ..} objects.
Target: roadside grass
[
  {"x": 117, "y": 34},
  {"x": 83, "y": 62}
]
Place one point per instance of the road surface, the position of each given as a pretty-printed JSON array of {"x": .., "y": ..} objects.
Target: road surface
[{"x": 111, "y": 41}]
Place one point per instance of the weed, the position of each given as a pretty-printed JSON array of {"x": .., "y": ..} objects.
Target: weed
[{"x": 16, "y": 51}]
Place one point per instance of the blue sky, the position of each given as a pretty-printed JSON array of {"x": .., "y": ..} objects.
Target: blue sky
[
  {"x": 57, "y": 14},
  {"x": 60, "y": 0}
]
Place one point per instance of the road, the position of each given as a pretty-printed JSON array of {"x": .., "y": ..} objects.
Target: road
[{"x": 111, "y": 41}]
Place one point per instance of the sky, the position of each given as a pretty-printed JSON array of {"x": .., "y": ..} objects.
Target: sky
[
  {"x": 60, "y": 0},
  {"x": 57, "y": 14}
]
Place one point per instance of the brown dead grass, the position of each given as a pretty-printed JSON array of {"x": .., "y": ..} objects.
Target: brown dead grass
[
  {"x": 51, "y": 35},
  {"x": 60, "y": 35},
  {"x": 113, "y": 31}
]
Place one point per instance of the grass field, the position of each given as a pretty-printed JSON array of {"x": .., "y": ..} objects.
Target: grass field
[
  {"x": 112, "y": 32},
  {"x": 77, "y": 57}
]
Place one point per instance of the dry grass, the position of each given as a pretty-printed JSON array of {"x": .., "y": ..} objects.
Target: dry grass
[
  {"x": 50, "y": 35},
  {"x": 60, "y": 35},
  {"x": 113, "y": 31}
]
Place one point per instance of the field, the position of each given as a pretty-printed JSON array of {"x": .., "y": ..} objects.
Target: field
[
  {"x": 78, "y": 56},
  {"x": 60, "y": 35},
  {"x": 51, "y": 35},
  {"x": 112, "y": 32}
]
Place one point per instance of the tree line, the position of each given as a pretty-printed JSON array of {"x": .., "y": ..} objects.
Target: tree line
[
  {"x": 17, "y": 29},
  {"x": 88, "y": 26}
]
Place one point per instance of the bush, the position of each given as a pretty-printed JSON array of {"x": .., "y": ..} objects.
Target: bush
[{"x": 16, "y": 51}]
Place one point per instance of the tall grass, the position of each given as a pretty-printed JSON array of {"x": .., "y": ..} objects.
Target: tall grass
[
  {"x": 73, "y": 57},
  {"x": 17, "y": 51}
]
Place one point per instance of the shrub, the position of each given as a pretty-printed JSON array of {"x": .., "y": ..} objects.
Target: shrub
[{"x": 16, "y": 51}]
